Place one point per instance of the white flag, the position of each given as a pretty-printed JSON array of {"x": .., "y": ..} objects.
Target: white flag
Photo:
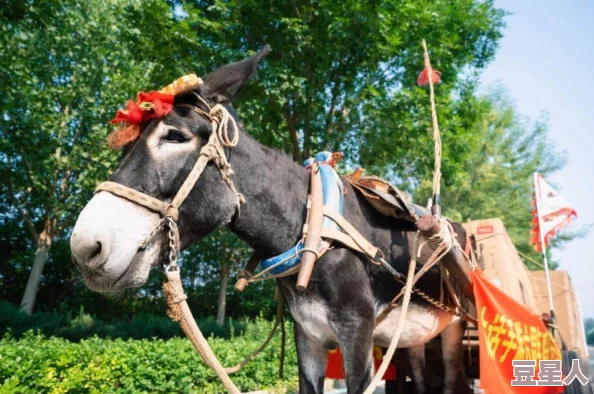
[{"x": 552, "y": 210}]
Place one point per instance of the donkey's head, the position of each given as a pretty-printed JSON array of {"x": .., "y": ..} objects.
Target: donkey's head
[{"x": 108, "y": 240}]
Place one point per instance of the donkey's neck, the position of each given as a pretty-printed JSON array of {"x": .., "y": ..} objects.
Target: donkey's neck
[{"x": 275, "y": 190}]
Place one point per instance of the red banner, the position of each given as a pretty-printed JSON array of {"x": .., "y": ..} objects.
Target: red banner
[{"x": 510, "y": 331}]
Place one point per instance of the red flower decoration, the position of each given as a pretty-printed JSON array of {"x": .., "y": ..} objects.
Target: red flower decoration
[
  {"x": 147, "y": 106},
  {"x": 423, "y": 78}
]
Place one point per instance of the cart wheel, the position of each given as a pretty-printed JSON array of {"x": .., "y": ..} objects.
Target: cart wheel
[{"x": 575, "y": 387}]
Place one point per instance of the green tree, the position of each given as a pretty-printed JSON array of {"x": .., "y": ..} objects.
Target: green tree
[
  {"x": 336, "y": 65},
  {"x": 341, "y": 76},
  {"x": 65, "y": 67}
]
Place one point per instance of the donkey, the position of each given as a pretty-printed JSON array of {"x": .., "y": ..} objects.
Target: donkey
[{"x": 346, "y": 292}]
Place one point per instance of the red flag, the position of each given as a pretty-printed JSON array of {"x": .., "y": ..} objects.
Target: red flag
[
  {"x": 509, "y": 331},
  {"x": 550, "y": 213}
]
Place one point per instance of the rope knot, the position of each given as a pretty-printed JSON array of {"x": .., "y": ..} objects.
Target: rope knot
[
  {"x": 209, "y": 150},
  {"x": 171, "y": 211},
  {"x": 226, "y": 170}
]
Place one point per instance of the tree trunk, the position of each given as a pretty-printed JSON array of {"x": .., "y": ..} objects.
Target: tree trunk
[
  {"x": 225, "y": 271},
  {"x": 293, "y": 133},
  {"x": 44, "y": 243}
]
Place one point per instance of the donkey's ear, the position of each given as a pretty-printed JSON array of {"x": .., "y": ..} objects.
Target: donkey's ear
[{"x": 223, "y": 84}]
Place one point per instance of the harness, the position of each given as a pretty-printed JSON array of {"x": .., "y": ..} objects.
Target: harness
[{"x": 334, "y": 227}]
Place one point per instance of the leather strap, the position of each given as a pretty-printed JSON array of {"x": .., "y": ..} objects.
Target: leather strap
[
  {"x": 356, "y": 237},
  {"x": 343, "y": 238},
  {"x": 133, "y": 195}
]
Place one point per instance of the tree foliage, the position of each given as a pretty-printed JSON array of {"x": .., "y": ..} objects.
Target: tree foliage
[
  {"x": 341, "y": 77},
  {"x": 65, "y": 67},
  {"x": 338, "y": 65}
]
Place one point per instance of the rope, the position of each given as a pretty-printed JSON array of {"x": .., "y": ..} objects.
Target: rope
[
  {"x": 212, "y": 151},
  {"x": 541, "y": 265},
  {"x": 442, "y": 241},
  {"x": 281, "y": 367},
  {"x": 180, "y": 312},
  {"x": 436, "y": 134},
  {"x": 220, "y": 113},
  {"x": 394, "y": 342},
  {"x": 219, "y": 139}
]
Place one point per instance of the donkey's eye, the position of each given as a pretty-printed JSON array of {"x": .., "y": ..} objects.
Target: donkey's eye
[{"x": 175, "y": 136}]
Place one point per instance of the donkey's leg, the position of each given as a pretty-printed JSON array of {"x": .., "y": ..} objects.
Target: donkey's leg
[
  {"x": 455, "y": 380},
  {"x": 416, "y": 358},
  {"x": 312, "y": 358},
  {"x": 354, "y": 334}
]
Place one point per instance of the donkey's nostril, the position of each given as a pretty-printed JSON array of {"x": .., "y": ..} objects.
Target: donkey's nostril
[
  {"x": 96, "y": 256},
  {"x": 96, "y": 251},
  {"x": 90, "y": 250}
]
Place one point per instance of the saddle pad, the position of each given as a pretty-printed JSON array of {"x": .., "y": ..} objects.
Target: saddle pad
[
  {"x": 332, "y": 191},
  {"x": 386, "y": 198}
]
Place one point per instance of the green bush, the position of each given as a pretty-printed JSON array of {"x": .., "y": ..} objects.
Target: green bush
[
  {"x": 83, "y": 325},
  {"x": 35, "y": 364}
]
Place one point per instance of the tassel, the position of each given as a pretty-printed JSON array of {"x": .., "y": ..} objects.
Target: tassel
[{"x": 423, "y": 78}]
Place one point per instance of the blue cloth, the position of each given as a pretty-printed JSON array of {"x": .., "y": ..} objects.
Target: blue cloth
[{"x": 333, "y": 196}]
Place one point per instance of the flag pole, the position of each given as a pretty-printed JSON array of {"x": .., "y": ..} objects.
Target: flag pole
[{"x": 542, "y": 244}]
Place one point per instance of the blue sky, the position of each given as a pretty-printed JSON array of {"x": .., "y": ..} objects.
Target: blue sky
[{"x": 546, "y": 63}]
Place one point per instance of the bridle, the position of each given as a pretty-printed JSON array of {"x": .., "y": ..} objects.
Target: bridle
[{"x": 214, "y": 151}]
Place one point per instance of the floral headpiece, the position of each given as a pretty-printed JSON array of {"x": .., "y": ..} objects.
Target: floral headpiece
[{"x": 151, "y": 105}]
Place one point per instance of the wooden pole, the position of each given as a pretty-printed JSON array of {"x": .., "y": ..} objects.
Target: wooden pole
[
  {"x": 250, "y": 267},
  {"x": 435, "y": 207},
  {"x": 454, "y": 261},
  {"x": 314, "y": 228}
]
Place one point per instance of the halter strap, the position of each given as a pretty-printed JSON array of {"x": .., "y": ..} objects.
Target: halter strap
[{"x": 212, "y": 151}]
